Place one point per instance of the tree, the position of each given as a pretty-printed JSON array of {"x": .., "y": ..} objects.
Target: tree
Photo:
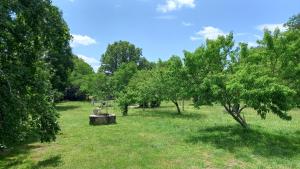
[
  {"x": 142, "y": 88},
  {"x": 293, "y": 22},
  {"x": 171, "y": 79},
  {"x": 122, "y": 76},
  {"x": 79, "y": 80},
  {"x": 98, "y": 85},
  {"x": 231, "y": 78},
  {"x": 119, "y": 53},
  {"x": 81, "y": 69},
  {"x": 119, "y": 81},
  {"x": 59, "y": 54},
  {"x": 291, "y": 56},
  {"x": 27, "y": 41}
]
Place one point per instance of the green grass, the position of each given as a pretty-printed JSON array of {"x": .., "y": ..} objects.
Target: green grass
[{"x": 160, "y": 139}]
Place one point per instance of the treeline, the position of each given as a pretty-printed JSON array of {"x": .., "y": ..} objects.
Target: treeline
[{"x": 265, "y": 78}]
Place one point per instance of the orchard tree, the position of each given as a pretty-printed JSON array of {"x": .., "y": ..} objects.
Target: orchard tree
[
  {"x": 119, "y": 82},
  {"x": 122, "y": 76},
  {"x": 142, "y": 88},
  {"x": 172, "y": 78},
  {"x": 98, "y": 86},
  {"x": 230, "y": 79},
  {"x": 279, "y": 53},
  {"x": 209, "y": 58},
  {"x": 30, "y": 35}
]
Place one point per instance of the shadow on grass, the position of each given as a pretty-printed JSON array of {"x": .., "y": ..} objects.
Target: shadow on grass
[
  {"x": 65, "y": 108},
  {"x": 18, "y": 155},
  {"x": 52, "y": 161},
  {"x": 168, "y": 114},
  {"x": 15, "y": 156},
  {"x": 235, "y": 138}
]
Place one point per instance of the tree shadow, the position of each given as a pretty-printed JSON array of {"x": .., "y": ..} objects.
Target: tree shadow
[
  {"x": 52, "y": 161},
  {"x": 16, "y": 155},
  {"x": 65, "y": 108},
  {"x": 169, "y": 114},
  {"x": 235, "y": 138}
]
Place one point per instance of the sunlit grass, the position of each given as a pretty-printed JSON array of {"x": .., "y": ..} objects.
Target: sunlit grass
[{"x": 159, "y": 138}]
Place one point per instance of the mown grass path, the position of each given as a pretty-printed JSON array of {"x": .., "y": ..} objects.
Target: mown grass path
[{"x": 161, "y": 139}]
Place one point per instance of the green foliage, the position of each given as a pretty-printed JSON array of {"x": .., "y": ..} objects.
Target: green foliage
[
  {"x": 239, "y": 78},
  {"x": 279, "y": 55},
  {"x": 118, "y": 53},
  {"x": 98, "y": 85},
  {"x": 142, "y": 88},
  {"x": 119, "y": 64},
  {"x": 293, "y": 22},
  {"x": 172, "y": 80},
  {"x": 122, "y": 76},
  {"x": 81, "y": 69},
  {"x": 34, "y": 50},
  {"x": 167, "y": 81},
  {"x": 79, "y": 80}
]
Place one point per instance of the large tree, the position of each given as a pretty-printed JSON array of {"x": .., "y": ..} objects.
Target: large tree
[
  {"x": 59, "y": 54},
  {"x": 119, "y": 53},
  {"x": 28, "y": 36}
]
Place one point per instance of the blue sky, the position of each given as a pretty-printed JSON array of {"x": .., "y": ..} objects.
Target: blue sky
[{"x": 166, "y": 27}]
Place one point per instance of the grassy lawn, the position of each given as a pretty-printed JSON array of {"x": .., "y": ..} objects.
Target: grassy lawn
[{"x": 160, "y": 139}]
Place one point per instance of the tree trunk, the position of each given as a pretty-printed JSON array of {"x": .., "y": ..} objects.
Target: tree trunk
[
  {"x": 235, "y": 112},
  {"x": 177, "y": 106},
  {"x": 240, "y": 120},
  {"x": 125, "y": 110},
  {"x": 182, "y": 105}
]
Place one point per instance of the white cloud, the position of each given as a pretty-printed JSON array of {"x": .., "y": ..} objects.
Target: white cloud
[
  {"x": 171, "y": 5},
  {"x": 271, "y": 27},
  {"x": 208, "y": 32},
  {"x": 91, "y": 61},
  {"x": 187, "y": 24},
  {"x": 82, "y": 40}
]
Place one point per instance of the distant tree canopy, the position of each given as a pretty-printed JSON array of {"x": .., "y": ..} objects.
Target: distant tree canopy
[
  {"x": 119, "y": 53},
  {"x": 79, "y": 78},
  {"x": 34, "y": 59}
]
